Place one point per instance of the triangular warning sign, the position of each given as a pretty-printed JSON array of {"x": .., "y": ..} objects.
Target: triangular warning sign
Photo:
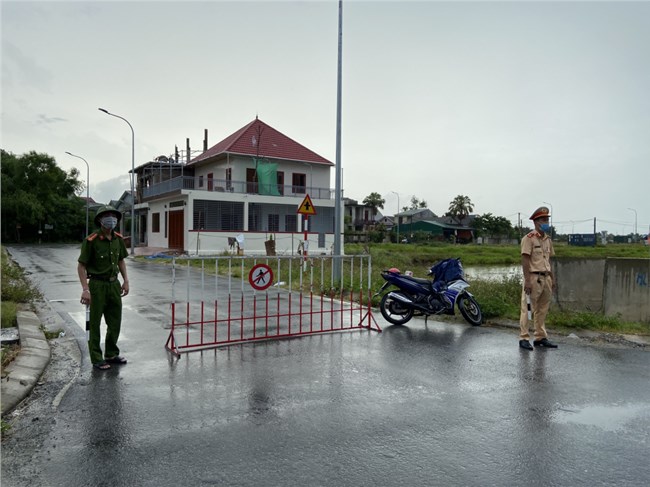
[{"x": 306, "y": 207}]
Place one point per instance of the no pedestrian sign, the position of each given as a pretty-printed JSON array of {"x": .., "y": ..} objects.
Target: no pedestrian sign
[
  {"x": 306, "y": 207},
  {"x": 260, "y": 277}
]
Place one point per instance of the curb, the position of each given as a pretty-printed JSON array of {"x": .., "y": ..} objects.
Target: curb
[{"x": 23, "y": 373}]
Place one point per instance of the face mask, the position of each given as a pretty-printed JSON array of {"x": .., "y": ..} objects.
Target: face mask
[
  {"x": 545, "y": 227},
  {"x": 109, "y": 222}
]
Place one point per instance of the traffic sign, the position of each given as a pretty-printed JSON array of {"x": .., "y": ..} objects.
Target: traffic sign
[
  {"x": 260, "y": 277},
  {"x": 306, "y": 207}
]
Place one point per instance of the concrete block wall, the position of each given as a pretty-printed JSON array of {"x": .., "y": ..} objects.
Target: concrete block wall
[
  {"x": 612, "y": 286},
  {"x": 627, "y": 289}
]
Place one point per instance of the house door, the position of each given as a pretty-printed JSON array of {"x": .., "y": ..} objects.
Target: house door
[{"x": 176, "y": 219}]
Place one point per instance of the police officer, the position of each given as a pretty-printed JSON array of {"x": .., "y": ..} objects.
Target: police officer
[
  {"x": 536, "y": 253},
  {"x": 101, "y": 259}
]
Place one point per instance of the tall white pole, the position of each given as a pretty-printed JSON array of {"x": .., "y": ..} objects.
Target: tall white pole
[
  {"x": 635, "y": 229},
  {"x": 132, "y": 176},
  {"x": 397, "y": 215},
  {"x": 337, "y": 190},
  {"x": 87, "y": 185}
]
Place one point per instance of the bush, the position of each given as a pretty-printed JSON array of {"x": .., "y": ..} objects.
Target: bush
[
  {"x": 15, "y": 286},
  {"x": 498, "y": 298},
  {"x": 9, "y": 310}
]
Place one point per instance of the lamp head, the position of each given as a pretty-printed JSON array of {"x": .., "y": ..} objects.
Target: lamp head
[{"x": 103, "y": 110}]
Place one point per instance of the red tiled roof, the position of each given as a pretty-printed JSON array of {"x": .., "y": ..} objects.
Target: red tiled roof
[{"x": 258, "y": 138}]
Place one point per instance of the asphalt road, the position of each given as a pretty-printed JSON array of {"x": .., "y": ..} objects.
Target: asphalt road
[{"x": 419, "y": 405}]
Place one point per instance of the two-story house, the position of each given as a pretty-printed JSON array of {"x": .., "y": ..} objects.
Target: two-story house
[{"x": 245, "y": 189}]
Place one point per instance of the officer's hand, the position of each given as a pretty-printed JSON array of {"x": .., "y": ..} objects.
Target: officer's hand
[
  {"x": 125, "y": 288},
  {"x": 528, "y": 286},
  {"x": 85, "y": 297}
]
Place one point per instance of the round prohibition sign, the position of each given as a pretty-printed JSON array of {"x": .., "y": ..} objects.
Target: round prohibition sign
[{"x": 260, "y": 277}]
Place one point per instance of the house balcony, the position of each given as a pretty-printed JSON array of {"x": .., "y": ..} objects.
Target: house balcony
[{"x": 175, "y": 185}]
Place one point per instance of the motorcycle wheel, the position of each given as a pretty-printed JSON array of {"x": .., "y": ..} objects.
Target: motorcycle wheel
[
  {"x": 394, "y": 311},
  {"x": 470, "y": 310}
]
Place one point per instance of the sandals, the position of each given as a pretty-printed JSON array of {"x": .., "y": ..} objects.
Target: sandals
[
  {"x": 116, "y": 360},
  {"x": 102, "y": 365}
]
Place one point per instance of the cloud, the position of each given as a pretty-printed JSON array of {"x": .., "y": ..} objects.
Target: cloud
[
  {"x": 45, "y": 120},
  {"x": 24, "y": 71}
]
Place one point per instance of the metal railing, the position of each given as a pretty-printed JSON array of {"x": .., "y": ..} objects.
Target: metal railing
[{"x": 238, "y": 187}]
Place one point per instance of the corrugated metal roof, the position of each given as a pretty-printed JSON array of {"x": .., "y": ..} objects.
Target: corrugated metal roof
[{"x": 259, "y": 139}]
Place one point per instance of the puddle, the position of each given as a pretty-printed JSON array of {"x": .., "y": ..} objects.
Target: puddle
[{"x": 608, "y": 418}]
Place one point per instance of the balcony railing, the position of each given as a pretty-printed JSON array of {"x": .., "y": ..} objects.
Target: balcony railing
[{"x": 239, "y": 187}]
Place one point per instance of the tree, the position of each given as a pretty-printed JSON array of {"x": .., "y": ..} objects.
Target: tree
[
  {"x": 416, "y": 204},
  {"x": 36, "y": 193},
  {"x": 374, "y": 201},
  {"x": 460, "y": 207},
  {"x": 495, "y": 226}
]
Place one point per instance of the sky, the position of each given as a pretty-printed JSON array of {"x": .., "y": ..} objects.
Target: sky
[{"x": 514, "y": 104}]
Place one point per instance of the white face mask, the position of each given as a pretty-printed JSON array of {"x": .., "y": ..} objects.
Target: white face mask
[{"x": 109, "y": 222}]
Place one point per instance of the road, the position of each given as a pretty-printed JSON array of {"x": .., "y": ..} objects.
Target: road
[{"x": 419, "y": 405}]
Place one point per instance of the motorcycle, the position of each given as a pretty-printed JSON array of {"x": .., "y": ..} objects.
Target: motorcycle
[{"x": 424, "y": 297}]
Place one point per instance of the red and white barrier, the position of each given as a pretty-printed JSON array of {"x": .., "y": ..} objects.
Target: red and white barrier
[{"x": 252, "y": 299}]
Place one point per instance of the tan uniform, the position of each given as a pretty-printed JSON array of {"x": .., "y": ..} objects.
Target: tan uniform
[{"x": 540, "y": 249}]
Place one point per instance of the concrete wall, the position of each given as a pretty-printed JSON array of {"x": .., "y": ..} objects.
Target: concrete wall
[
  {"x": 627, "y": 289},
  {"x": 611, "y": 286},
  {"x": 579, "y": 284}
]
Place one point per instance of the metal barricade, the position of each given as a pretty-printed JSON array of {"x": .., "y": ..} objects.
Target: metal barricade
[{"x": 232, "y": 300}]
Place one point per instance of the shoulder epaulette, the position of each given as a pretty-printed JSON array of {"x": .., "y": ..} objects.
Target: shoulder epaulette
[
  {"x": 533, "y": 234},
  {"x": 118, "y": 234},
  {"x": 91, "y": 237}
]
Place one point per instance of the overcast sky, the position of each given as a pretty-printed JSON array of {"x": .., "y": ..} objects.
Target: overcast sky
[{"x": 510, "y": 103}]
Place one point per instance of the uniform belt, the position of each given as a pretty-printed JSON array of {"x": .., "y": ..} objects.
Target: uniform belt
[
  {"x": 103, "y": 278},
  {"x": 541, "y": 273}
]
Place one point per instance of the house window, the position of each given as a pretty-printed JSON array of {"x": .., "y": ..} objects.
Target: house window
[
  {"x": 210, "y": 182},
  {"x": 291, "y": 223},
  {"x": 281, "y": 182},
  {"x": 218, "y": 216},
  {"x": 251, "y": 180},
  {"x": 200, "y": 220},
  {"x": 229, "y": 179},
  {"x": 274, "y": 223},
  {"x": 200, "y": 181},
  {"x": 155, "y": 223},
  {"x": 299, "y": 183}
]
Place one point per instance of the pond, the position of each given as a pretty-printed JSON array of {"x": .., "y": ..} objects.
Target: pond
[{"x": 492, "y": 272}]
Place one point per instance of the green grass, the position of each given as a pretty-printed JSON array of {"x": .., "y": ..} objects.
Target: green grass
[
  {"x": 15, "y": 290},
  {"x": 15, "y": 287}
]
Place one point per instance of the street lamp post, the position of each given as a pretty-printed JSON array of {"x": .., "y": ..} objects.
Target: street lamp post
[
  {"x": 635, "y": 230},
  {"x": 397, "y": 214},
  {"x": 87, "y": 185},
  {"x": 132, "y": 176},
  {"x": 552, "y": 213}
]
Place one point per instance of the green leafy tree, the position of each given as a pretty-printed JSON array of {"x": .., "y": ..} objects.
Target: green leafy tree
[
  {"x": 494, "y": 226},
  {"x": 36, "y": 193},
  {"x": 374, "y": 201},
  {"x": 416, "y": 204},
  {"x": 460, "y": 207}
]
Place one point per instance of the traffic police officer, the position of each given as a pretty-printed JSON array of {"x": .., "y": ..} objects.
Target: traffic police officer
[
  {"x": 101, "y": 259},
  {"x": 536, "y": 253}
]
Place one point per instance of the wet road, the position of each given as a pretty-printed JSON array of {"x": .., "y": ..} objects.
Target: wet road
[{"x": 421, "y": 405}]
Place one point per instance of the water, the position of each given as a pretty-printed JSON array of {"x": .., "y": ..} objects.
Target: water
[{"x": 492, "y": 273}]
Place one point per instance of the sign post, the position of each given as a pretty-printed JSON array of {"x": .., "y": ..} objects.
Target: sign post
[{"x": 306, "y": 209}]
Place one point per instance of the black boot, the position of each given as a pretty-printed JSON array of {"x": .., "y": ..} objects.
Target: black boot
[
  {"x": 525, "y": 344},
  {"x": 544, "y": 343}
]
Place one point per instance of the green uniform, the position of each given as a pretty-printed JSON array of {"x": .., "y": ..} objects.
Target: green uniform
[{"x": 101, "y": 256}]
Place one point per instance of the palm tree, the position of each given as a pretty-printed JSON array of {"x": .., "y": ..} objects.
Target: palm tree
[
  {"x": 374, "y": 201},
  {"x": 460, "y": 207}
]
